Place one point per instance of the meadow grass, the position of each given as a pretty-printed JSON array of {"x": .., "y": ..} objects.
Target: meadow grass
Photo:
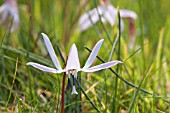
[{"x": 140, "y": 85}]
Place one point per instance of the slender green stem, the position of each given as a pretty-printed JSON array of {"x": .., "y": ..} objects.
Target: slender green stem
[
  {"x": 16, "y": 67},
  {"x": 60, "y": 54},
  {"x": 100, "y": 18},
  {"x": 2, "y": 58},
  {"x": 87, "y": 96},
  {"x": 23, "y": 53},
  {"x": 130, "y": 84},
  {"x": 142, "y": 32},
  {"x": 95, "y": 26},
  {"x": 136, "y": 92},
  {"x": 116, "y": 81}
]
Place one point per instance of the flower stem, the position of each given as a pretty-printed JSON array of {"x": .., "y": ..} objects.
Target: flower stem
[
  {"x": 63, "y": 92},
  {"x": 104, "y": 28},
  {"x": 87, "y": 96}
]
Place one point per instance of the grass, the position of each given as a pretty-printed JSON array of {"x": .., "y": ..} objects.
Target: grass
[{"x": 139, "y": 85}]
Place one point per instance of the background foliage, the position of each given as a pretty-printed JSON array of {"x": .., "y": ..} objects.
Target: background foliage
[{"x": 146, "y": 65}]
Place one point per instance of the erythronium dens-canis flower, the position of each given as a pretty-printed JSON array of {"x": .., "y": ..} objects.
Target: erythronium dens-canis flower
[{"x": 73, "y": 64}]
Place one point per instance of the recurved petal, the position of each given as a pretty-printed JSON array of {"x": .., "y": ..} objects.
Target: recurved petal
[
  {"x": 15, "y": 22},
  {"x": 44, "y": 68},
  {"x": 128, "y": 14},
  {"x": 90, "y": 18},
  {"x": 122, "y": 25},
  {"x": 110, "y": 14},
  {"x": 87, "y": 20},
  {"x": 102, "y": 66},
  {"x": 51, "y": 51},
  {"x": 73, "y": 59},
  {"x": 93, "y": 54},
  {"x": 110, "y": 18}
]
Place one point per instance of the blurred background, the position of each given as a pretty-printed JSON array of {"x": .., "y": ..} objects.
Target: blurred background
[{"x": 26, "y": 89}]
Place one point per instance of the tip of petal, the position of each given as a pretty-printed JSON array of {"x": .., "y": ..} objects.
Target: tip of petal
[
  {"x": 28, "y": 63},
  {"x": 101, "y": 40},
  {"x": 44, "y": 35},
  {"x": 73, "y": 59},
  {"x": 73, "y": 45},
  {"x": 119, "y": 61}
]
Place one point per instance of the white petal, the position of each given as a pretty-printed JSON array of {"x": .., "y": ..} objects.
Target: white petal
[
  {"x": 90, "y": 18},
  {"x": 101, "y": 66},
  {"x": 15, "y": 23},
  {"x": 44, "y": 68},
  {"x": 122, "y": 25},
  {"x": 14, "y": 13},
  {"x": 109, "y": 17},
  {"x": 73, "y": 59},
  {"x": 51, "y": 51},
  {"x": 110, "y": 14},
  {"x": 128, "y": 14},
  {"x": 93, "y": 54},
  {"x": 112, "y": 9},
  {"x": 74, "y": 90},
  {"x": 85, "y": 21}
]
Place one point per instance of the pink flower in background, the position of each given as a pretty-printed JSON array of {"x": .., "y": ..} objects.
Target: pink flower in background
[
  {"x": 73, "y": 64},
  {"x": 9, "y": 10}
]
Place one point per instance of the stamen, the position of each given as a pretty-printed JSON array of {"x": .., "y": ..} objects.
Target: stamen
[{"x": 74, "y": 72}]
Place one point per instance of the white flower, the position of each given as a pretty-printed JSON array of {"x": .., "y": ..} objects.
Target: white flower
[
  {"x": 107, "y": 13},
  {"x": 73, "y": 64},
  {"x": 9, "y": 9}
]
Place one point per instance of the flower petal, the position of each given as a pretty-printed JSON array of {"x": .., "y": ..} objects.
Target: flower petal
[
  {"x": 110, "y": 15},
  {"x": 51, "y": 51},
  {"x": 93, "y": 54},
  {"x": 90, "y": 18},
  {"x": 128, "y": 14},
  {"x": 44, "y": 68},
  {"x": 101, "y": 66},
  {"x": 73, "y": 59},
  {"x": 122, "y": 25},
  {"x": 14, "y": 13}
]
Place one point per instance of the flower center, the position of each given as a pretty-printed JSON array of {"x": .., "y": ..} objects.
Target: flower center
[{"x": 73, "y": 74}]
